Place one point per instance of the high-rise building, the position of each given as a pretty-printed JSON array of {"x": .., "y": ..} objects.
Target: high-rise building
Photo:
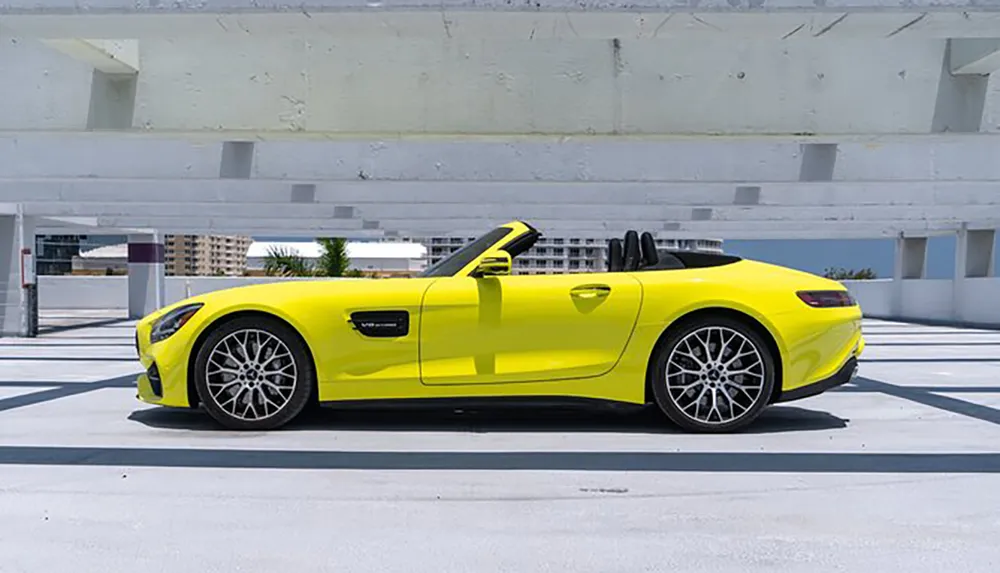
[
  {"x": 564, "y": 254},
  {"x": 54, "y": 253},
  {"x": 206, "y": 255}
]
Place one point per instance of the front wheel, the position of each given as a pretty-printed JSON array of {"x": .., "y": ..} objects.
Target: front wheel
[
  {"x": 713, "y": 374},
  {"x": 253, "y": 373}
]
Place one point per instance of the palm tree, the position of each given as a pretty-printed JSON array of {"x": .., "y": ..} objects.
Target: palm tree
[
  {"x": 333, "y": 262},
  {"x": 285, "y": 263}
]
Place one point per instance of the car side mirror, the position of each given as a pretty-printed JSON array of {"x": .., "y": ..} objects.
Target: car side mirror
[{"x": 494, "y": 265}]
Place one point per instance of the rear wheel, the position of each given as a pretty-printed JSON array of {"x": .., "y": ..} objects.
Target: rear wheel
[
  {"x": 253, "y": 373},
  {"x": 713, "y": 374}
]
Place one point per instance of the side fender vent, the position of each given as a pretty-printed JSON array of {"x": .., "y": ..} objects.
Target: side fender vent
[{"x": 381, "y": 323}]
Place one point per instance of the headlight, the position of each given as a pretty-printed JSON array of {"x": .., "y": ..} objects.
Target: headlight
[{"x": 168, "y": 324}]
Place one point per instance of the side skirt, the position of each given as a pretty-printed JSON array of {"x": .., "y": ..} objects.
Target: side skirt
[{"x": 486, "y": 403}]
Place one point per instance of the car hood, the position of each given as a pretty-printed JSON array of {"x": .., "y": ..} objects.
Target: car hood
[{"x": 279, "y": 291}]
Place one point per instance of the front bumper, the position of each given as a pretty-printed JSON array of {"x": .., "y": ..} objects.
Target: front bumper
[
  {"x": 164, "y": 380},
  {"x": 846, "y": 373}
]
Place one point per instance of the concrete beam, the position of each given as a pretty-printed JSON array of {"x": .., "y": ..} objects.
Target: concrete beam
[
  {"x": 552, "y": 226},
  {"x": 498, "y": 208},
  {"x": 116, "y": 57},
  {"x": 57, "y": 197},
  {"x": 82, "y": 226},
  {"x": 103, "y": 7},
  {"x": 307, "y": 158},
  {"x": 979, "y": 56},
  {"x": 287, "y": 81},
  {"x": 517, "y": 21}
]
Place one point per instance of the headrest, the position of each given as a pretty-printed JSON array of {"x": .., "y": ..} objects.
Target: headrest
[
  {"x": 615, "y": 256},
  {"x": 648, "y": 246},
  {"x": 632, "y": 254}
]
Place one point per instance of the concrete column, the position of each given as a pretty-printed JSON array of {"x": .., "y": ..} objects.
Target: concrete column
[
  {"x": 910, "y": 263},
  {"x": 961, "y": 99},
  {"x": 17, "y": 234},
  {"x": 974, "y": 253},
  {"x": 973, "y": 259},
  {"x": 146, "y": 274}
]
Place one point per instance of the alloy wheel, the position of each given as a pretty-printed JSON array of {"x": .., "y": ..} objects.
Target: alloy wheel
[
  {"x": 715, "y": 375},
  {"x": 251, "y": 374}
]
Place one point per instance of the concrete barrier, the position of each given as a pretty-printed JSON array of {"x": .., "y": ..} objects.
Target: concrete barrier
[
  {"x": 874, "y": 296},
  {"x": 70, "y": 292},
  {"x": 101, "y": 292},
  {"x": 974, "y": 301}
]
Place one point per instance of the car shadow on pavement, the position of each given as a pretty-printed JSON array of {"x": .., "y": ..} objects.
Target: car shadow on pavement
[{"x": 775, "y": 419}]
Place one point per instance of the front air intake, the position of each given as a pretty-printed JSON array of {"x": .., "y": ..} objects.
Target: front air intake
[{"x": 153, "y": 373}]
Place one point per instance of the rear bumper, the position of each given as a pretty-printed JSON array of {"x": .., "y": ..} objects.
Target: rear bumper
[{"x": 846, "y": 373}]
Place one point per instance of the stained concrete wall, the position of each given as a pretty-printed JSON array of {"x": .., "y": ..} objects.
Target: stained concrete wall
[{"x": 501, "y": 86}]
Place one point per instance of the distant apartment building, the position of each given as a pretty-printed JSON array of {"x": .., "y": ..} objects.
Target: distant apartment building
[
  {"x": 552, "y": 255},
  {"x": 206, "y": 255}
]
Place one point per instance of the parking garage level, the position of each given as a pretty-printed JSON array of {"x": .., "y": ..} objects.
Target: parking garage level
[{"x": 897, "y": 470}]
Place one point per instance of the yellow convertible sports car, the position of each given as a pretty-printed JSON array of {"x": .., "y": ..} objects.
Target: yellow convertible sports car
[{"x": 711, "y": 339}]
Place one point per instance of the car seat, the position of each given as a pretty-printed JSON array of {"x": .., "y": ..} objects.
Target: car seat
[
  {"x": 616, "y": 262},
  {"x": 632, "y": 255}
]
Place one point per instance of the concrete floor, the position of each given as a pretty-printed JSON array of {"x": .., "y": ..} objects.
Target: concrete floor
[{"x": 896, "y": 472}]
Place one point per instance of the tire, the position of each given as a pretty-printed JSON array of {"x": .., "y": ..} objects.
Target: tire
[
  {"x": 263, "y": 393},
  {"x": 691, "y": 378}
]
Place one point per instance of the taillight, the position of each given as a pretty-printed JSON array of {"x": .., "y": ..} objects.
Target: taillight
[{"x": 826, "y": 298}]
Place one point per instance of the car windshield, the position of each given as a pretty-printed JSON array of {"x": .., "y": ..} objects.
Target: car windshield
[{"x": 459, "y": 259}]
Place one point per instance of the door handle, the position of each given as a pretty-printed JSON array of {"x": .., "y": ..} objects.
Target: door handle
[{"x": 590, "y": 291}]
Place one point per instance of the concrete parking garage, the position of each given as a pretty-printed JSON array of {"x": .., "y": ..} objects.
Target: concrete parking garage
[
  {"x": 788, "y": 119},
  {"x": 897, "y": 471}
]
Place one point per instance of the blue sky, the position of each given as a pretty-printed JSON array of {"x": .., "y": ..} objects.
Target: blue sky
[{"x": 816, "y": 255}]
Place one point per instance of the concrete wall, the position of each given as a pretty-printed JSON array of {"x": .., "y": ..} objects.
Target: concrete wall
[{"x": 922, "y": 299}]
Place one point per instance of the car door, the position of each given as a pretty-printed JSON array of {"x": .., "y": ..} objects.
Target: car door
[{"x": 524, "y": 328}]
